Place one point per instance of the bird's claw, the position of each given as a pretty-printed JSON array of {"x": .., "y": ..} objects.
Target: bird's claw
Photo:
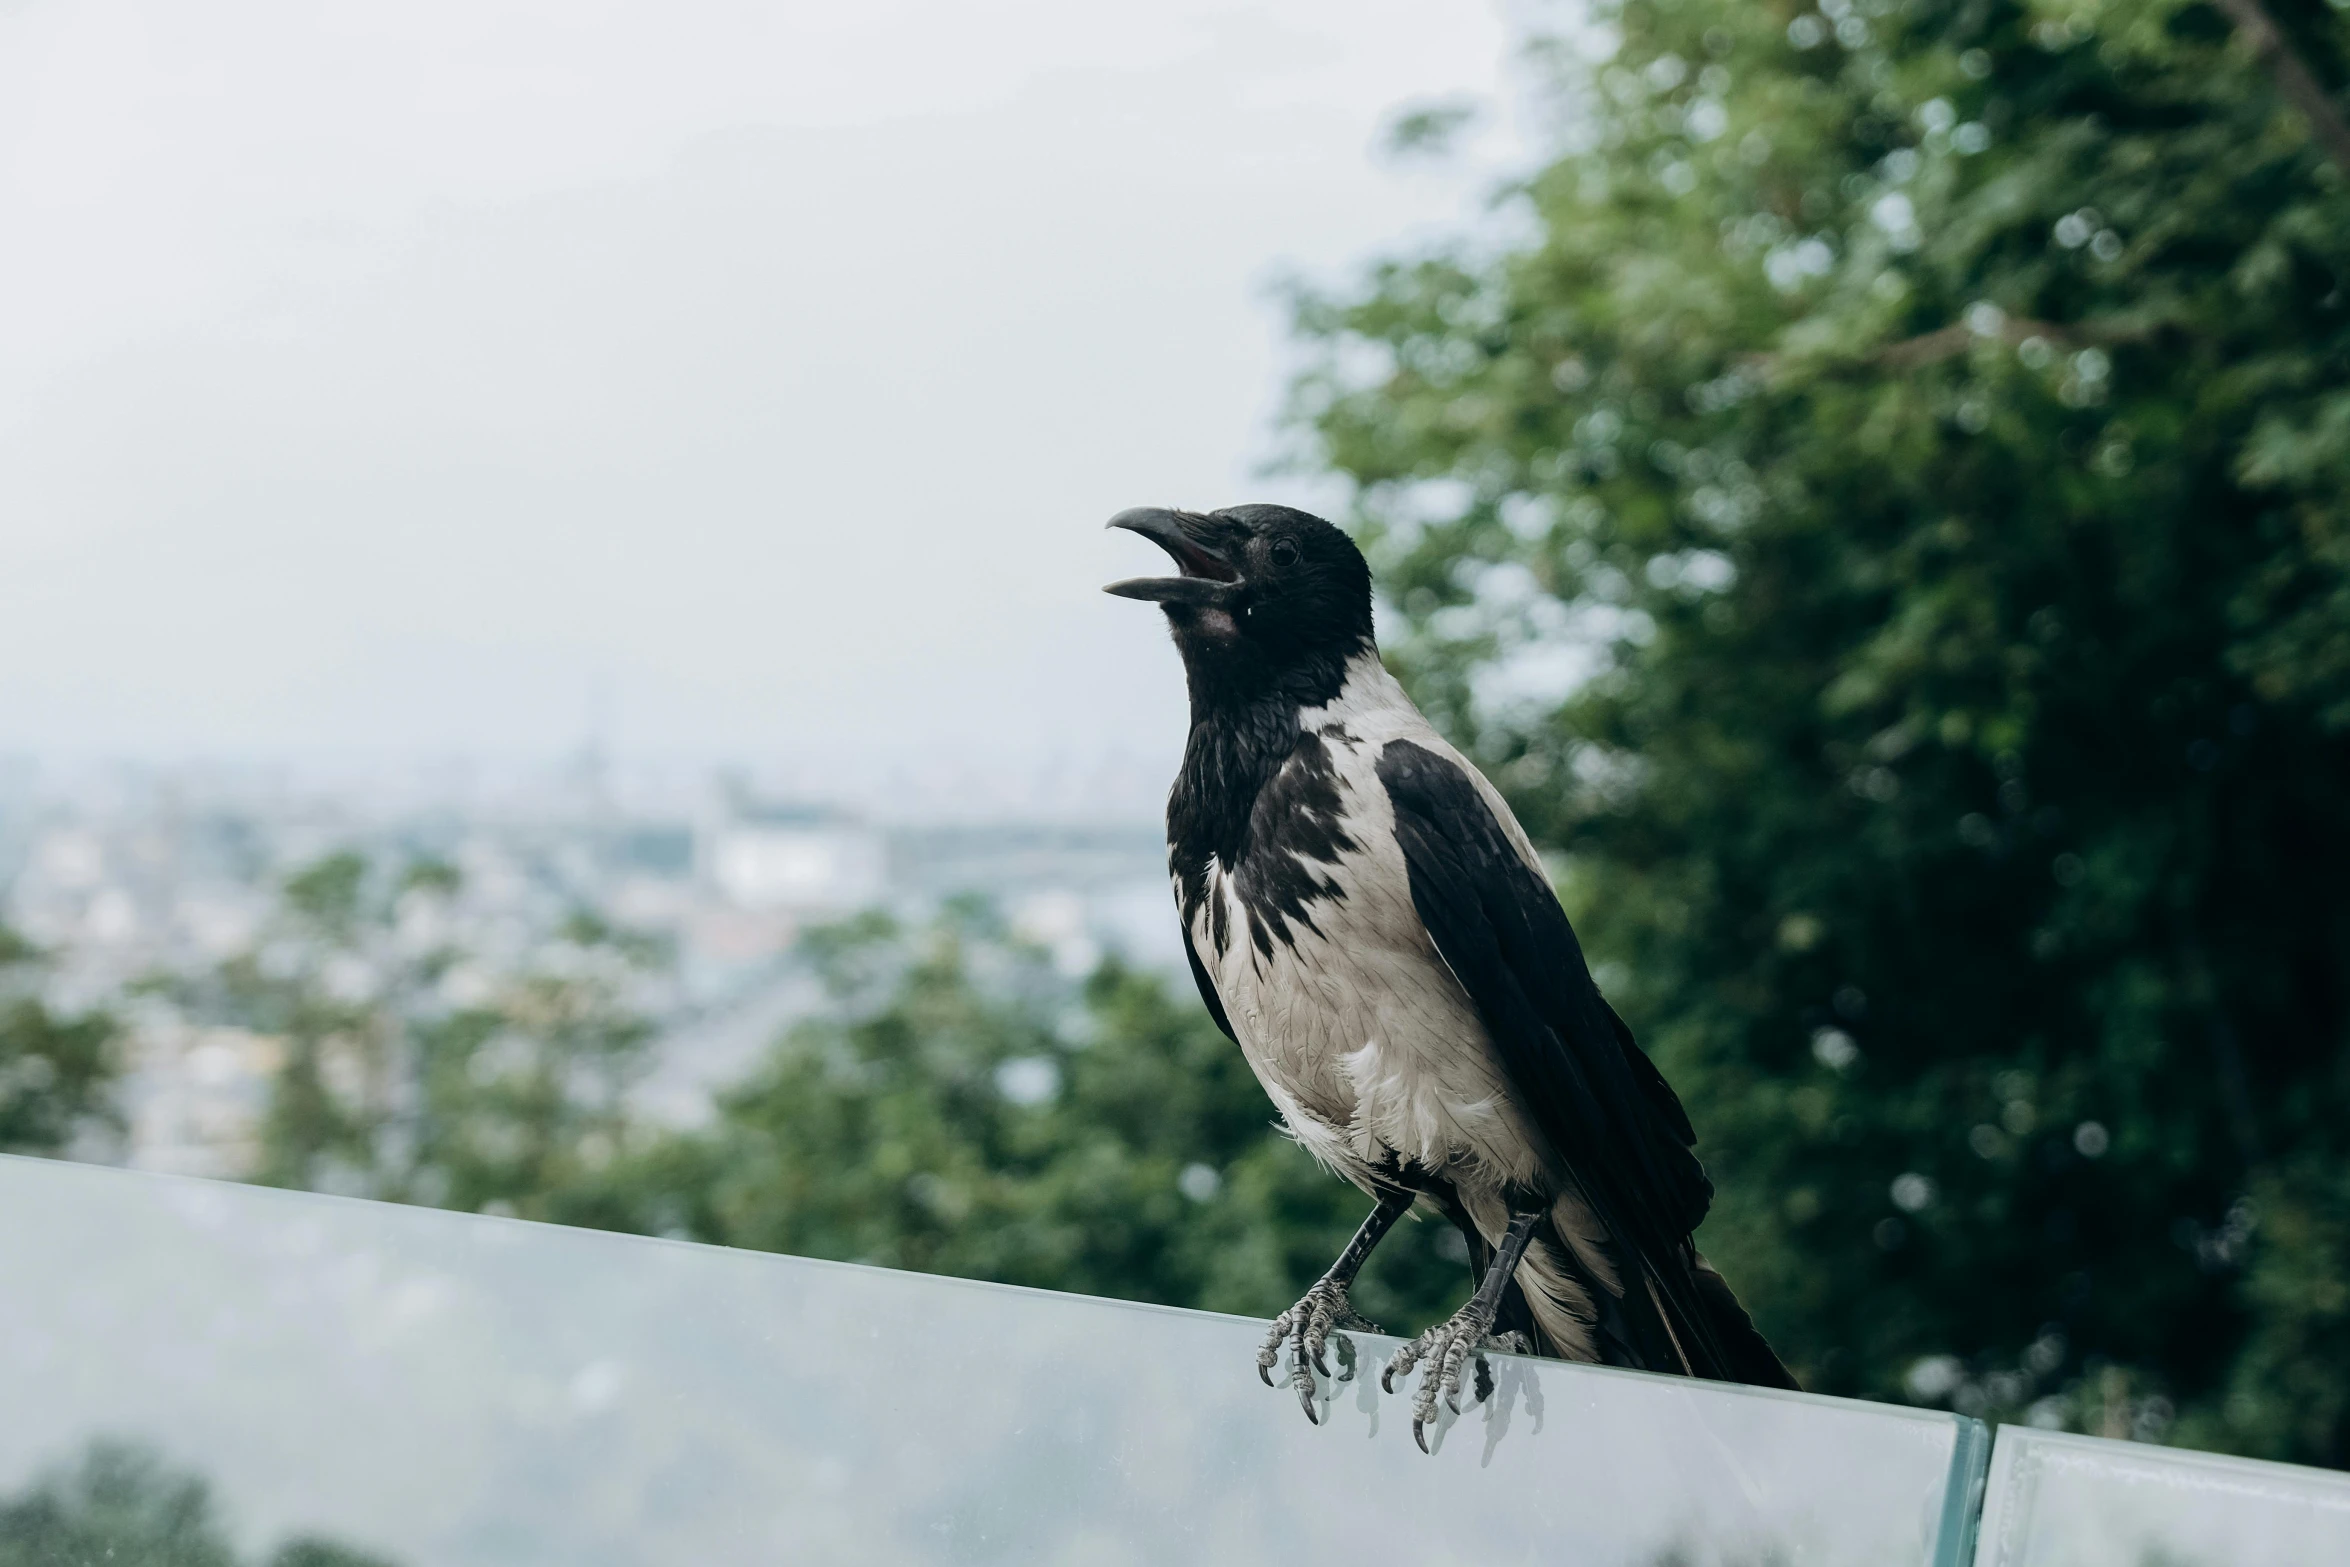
[
  {"x": 1443, "y": 1352},
  {"x": 1305, "y": 1328}
]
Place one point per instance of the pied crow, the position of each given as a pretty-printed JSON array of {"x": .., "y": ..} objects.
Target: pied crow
[{"x": 1368, "y": 922}]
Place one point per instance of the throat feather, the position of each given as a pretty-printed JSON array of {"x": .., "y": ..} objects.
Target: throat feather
[{"x": 1263, "y": 813}]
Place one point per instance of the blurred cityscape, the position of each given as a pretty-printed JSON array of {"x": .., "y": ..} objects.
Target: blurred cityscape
[{"x": 130, "y": 877}]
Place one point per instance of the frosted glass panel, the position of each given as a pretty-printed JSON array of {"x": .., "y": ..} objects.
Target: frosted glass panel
[
  {"x": 2075, "y": 1501},
  {"x": 411, "y": 1387}
]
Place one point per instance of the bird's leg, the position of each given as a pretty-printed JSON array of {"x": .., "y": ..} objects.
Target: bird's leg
[
  {"x": 1446, "y": 1347},
  {"x": 1308, "y": 1324}
]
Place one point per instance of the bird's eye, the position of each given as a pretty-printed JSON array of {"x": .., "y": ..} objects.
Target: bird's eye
[{"x": 1284, "y": 552}]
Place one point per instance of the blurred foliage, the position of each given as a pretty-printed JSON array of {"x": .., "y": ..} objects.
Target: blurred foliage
[
  {"x": 416, "y": 1070},
  {"x": 57, "y": 1070},
  {"x": 958, "y": 1108},
  {"x": 1876, "y": 503},
  {"x": 121, "y": 1506}
]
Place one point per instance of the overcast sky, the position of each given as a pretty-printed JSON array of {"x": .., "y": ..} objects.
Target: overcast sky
[{"x": 389, "y": 379}]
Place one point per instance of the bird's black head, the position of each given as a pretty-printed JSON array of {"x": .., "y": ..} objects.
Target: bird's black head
[{"x": 1265, "y": 594}]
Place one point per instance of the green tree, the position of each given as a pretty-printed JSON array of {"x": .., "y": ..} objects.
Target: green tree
[
  {"x": 415, "y": 1070},
  {"x": 57, "y": 1070},
  {"x": 957, "y": 1108},
  {"x": 119, "y": 1504},
  {"x": 1875, "y": 501},
  {"x": 122, "y": 1506}
]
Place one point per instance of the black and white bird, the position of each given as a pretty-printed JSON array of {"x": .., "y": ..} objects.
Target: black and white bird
[{"x": 1369, "y": 923}]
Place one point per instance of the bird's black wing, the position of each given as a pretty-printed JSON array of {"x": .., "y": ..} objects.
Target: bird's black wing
[
  {"x": 1606, "y": 1111},
  {"x": 1207, "y": 990}
]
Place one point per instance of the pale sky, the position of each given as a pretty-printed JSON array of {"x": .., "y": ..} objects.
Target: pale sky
[{"x": 386, "y": 379}]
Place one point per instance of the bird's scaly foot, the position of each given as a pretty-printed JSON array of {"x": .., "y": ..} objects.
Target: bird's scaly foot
[
  {"x": 1306, "y": 1327},
  {"x": 1442, "y": 1353}
]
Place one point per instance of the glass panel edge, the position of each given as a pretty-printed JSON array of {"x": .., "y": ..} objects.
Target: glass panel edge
[
  {"x": 290, "y": 1198},
  {"x": 1963, "y": 1492}
]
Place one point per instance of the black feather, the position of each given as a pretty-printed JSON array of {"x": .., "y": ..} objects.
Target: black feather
[
  {"x": 1207, "y": 992},
  {"x": 1255, "y": 794}
]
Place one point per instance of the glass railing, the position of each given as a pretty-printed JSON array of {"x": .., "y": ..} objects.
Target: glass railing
[
  {"x": 392, "y": 1385},
  {"x": 2075, "y": 1501}
]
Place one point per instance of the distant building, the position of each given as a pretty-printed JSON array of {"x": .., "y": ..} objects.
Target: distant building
[
  {"x": 196, "y": 1097},
  {"x": 123, "y": 877},
  {"x": 797, "y": 860}
]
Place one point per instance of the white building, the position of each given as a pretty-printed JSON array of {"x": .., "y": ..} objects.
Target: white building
[{"x": 797, "y": 860}]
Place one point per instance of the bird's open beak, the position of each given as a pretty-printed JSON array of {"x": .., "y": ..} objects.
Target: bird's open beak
[{"x": 1207, "y": 577}]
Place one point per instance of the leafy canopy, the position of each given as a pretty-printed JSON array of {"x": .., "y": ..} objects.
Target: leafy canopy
[
  {"x": 958, "y": 1108},
  {"x": 120, "y": 1505},
  {"x": 57, "y": 1069},
  {"x": 1875, "y": 501},
  {"x": 414, "y": 1065}
]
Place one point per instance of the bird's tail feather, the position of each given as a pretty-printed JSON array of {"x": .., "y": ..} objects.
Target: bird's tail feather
[
  {"x": 1747, "y": 1356},
  {"x": 1549, "y": 1298},
  {"x": 1570, "y": 1312},
  {"x": 1689, "y": 1323},
  {"x": 1565, "y": 1318}
]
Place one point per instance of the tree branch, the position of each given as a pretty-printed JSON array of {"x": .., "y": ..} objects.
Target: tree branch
[
  {"x": 2293, "y": 76},
  {"x": 1945, "y": 342},
  {"x": 1948, "y": 342}
]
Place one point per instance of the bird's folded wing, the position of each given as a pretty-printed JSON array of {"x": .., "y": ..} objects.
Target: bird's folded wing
[
  {"x": 1207, "y": 989},
  {"x": 1595, "y": 1096}
]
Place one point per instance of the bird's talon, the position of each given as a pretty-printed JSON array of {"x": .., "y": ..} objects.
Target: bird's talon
[
  {"x": 1442, "y": 1354},
  {"x": 1304, "y": 1330}
]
